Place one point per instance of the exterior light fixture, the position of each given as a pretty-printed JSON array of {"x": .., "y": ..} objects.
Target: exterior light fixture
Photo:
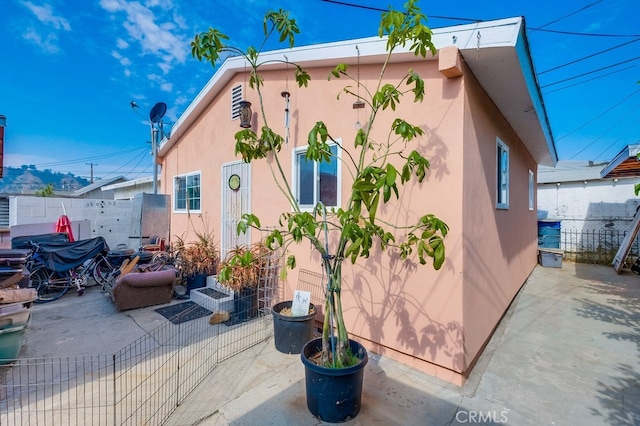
[{"x": 245, "y": 114}]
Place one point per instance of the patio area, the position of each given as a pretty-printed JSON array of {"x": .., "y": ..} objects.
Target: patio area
[{"x": 567, "y": 352}]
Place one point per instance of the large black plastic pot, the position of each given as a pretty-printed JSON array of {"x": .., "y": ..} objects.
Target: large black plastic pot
[
  {"x": 290, "y": 333},
  {"x": 196, "y": 281},
  {"x": 245, "y": 303},
  {"x": 333, "y": 394}
]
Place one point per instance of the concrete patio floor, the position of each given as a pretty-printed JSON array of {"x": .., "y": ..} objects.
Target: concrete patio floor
[{"x": 566, "y": 353}]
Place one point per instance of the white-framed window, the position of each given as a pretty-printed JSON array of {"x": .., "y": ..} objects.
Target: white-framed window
[
  {"x": 186, "y": 193},
  {"x": 316, "y": 181},
  {"x": 531, "y": 190},
  {"x": 502, "y": 175}
]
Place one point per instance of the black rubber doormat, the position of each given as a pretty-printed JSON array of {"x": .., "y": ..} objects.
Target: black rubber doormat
[{"x": 182, "y": 312}]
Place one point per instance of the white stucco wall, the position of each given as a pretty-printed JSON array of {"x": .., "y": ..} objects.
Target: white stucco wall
[
  {"x": 108, "y": 218},
  {"x": 593, "y": 205}
]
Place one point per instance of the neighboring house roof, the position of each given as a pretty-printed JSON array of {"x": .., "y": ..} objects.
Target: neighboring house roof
[
  {"x": 130, "y": 183},
  {"x": 496, "y": 52},
  {"x": 570, "y": 171},
  {"x": 97, "y": 185},
  {"x": 625, "y": 164}
]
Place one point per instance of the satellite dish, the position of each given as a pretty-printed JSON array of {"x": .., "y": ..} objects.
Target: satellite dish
[{"x": 157, "y": 112}]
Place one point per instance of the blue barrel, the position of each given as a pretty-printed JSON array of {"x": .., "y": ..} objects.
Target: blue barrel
[{"x": 549, "y": 234}]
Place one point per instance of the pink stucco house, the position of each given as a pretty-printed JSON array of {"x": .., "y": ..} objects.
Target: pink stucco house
[{"x": 486, "y": 131}]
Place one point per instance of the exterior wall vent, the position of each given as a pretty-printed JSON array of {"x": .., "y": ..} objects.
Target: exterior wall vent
[
  {"x": 4, "y": 212},
  {"x": 236, "y": 97}
]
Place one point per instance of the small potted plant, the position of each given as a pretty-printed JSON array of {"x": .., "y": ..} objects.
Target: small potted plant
[
  {"x": 241, "y": 271},
  {"x": 291, "y": 330},
  {"x": 197, "y": 260}
]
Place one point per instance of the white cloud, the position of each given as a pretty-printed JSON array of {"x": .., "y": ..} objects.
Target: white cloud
[
  {"x": 154, "y": 37},
  {"x": 44, "y": 34},
  {"x": 48, "y": 43},
  {"x": 124, "y": 61},
  {"x": 122, "y": 44},
  {"x": 167, "y": 87},
  {"x": 46, "y": 16}
]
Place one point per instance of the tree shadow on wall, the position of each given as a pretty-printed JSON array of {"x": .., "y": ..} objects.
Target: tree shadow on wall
[{"x": 398, "y": 304}]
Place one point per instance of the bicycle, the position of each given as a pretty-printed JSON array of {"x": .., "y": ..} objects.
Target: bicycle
[{"x": 57, "y": 267}]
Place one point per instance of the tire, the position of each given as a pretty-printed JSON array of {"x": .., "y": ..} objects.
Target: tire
[
  {"x": 161, "y": 256},
  {"x": 102, "y": 272},
  {"x": 46, "y": 290}
]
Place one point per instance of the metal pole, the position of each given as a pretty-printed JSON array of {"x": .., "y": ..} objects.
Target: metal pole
[{"x": 154, "y": 151}]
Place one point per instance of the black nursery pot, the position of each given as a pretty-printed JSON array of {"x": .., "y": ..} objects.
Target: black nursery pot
[
  {"x": 245, "y": 303},
  {"x": 196, "y": 281},
  {"x": 334, "y": 395},
  {"x": 291, "y": 333}
]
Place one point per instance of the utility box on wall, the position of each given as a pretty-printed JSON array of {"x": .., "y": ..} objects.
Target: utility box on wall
[{"x": 149, "y": 218}]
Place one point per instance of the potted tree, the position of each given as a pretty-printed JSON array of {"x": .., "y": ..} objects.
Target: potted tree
[{"x": 379, "y": 167}]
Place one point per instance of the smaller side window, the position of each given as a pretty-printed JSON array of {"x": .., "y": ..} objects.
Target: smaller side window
[
  {"x": 532, "y": 190},
  {"x": 186, "y": 193},
  {"x": 502, "y": 195}
]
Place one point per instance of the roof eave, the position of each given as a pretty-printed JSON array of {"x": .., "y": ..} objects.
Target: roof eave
[{"x": 520, "y": 101}]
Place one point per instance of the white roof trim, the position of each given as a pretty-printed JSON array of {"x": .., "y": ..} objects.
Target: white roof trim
[{"x": 520, "y": 100}]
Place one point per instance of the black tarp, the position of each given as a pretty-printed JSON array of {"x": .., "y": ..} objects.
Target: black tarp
[
  {"x": 61, "y": 256},
  {"x": 24, "y": 241}
]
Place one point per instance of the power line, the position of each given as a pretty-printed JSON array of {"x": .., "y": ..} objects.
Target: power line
[
  {"x": 378, "y": 9},
  {"x": 590, "y": 72},
  {"x": 588, "y": 56},
  {"x": 602, "y": 135},
  {"x": 566, "y": 16},
  {"x": 598, "y": 116},
  {"x": 620, "y": 137},
  {"x": 140, "y": 157},
  {"x": 585, "y": 34},
  {"x": 588, "y": 80},
  {"x": 82, "y": 160}
]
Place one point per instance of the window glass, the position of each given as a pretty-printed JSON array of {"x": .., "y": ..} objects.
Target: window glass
[
  {"x": 329, "y": 180},
  {"x": 187, "y": 192},
  {"x": 502, "y": 175},
  {"x": 531, "y": 190},
  {"x": 305, "y": 179},
  {"x": 316, "y": 181}
]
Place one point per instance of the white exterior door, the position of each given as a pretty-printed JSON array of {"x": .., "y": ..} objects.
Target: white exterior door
[{"x": 236, "y": 200}]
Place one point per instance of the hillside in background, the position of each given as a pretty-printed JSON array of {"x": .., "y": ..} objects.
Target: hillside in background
[{"x": 28, "y": 179}]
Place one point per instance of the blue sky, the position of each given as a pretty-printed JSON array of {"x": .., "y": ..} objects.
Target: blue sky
[{"x": 69, "y": 69}]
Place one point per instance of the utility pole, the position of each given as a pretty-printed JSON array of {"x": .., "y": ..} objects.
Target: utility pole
[{"x": 91, "y": 164}]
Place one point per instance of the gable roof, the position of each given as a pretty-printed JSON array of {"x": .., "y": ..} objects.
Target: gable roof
[
  {"x": 570, "y": 171},
  {"x": 96, "y": 185},
  {"x": 497, "y": 53},
  {"x": 147, "y": 180},
  {"x": 625, "y": 164}
]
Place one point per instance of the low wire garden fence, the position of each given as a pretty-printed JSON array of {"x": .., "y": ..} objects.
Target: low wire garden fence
[{"x": 143, "y": 383}]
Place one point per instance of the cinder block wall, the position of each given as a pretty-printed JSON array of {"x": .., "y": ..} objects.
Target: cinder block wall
[{"x": 110, "y": 219}]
